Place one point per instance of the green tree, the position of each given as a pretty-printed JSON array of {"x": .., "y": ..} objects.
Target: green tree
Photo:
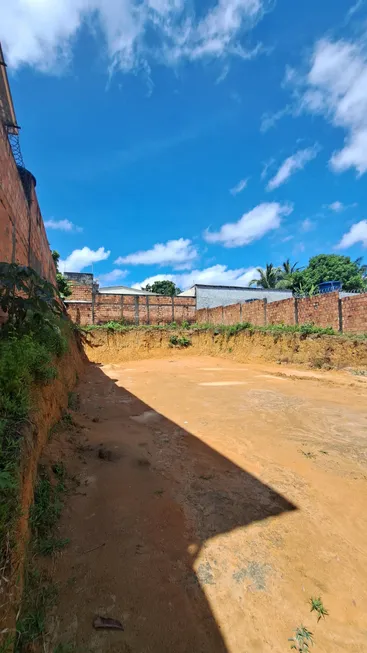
[
  {"x": 268, "y": 277},
  {"x": 164, "y": 287},
  {"x": 332, "y": 267},
  {"x": 287, "y": 275},
  {"x": 63, "y": 285}
]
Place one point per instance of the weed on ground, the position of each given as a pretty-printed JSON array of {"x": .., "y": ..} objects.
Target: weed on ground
[
  {"x": 39, "y": 596},
  {"x": 46, "y": 509},
  {"x": 318, "y": 606},
  {"x": 308, "y": 329}
]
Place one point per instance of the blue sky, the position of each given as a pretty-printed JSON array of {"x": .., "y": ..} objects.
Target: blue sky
[{"x": 192, "y": 141}]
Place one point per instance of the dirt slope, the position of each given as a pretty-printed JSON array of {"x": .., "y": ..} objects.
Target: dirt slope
[{"x": 246, "y": 346}]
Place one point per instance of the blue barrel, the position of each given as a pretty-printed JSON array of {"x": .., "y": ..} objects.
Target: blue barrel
[{"x": 330, "y": 286}]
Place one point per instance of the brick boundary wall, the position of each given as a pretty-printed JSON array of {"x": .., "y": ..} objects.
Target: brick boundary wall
[
  {"x": 344, "y": 314},
  {"x": 23, "y": 236},
  {"x": 87, "y": 305}
]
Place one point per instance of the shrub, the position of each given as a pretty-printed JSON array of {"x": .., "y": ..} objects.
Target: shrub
[{"x": 179, "y": 341}]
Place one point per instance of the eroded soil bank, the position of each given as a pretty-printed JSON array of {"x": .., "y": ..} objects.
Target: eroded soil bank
[
  {"x": 246, "y": 346},
  {"x": 48, "y": 401},
  {"x": 215, "y": 499}
]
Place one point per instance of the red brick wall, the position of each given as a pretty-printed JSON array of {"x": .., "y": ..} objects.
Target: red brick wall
[
  {"x": 322, "y": 310},
  {"x": 254, "y": 312},
  {"x": 203, "y": 315},
  {"x": 80, "y": 313},
  {"x": 81, "y": 292},
  {"x": 23, "y": 237},
  {"x": 133, "y": 309},
  {"x": 281, "y": 312},
  {"x": 354, "y": 313},
  {"x": 232, "y": 314}
]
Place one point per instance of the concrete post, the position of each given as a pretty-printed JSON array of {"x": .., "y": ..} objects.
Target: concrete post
[{"x": 340, "y": 312}]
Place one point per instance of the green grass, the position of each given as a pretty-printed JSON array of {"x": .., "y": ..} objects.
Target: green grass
[
  {"x": 73, "y": 400},
  {"x": 46, "y": 510},
  {"x": 64, "y": 648},
  {"x": 26, "y": 360},
  {"x": 39, "y": 593},
  {"x": 39, "y": 596},
  {"x": 308, "y": 329}
]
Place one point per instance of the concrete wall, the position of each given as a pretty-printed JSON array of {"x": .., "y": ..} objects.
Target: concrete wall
[
  {"x": 347, "y": 314},
  {"x": 211, "y": 296},
  {"x": 23, "y": 236}
]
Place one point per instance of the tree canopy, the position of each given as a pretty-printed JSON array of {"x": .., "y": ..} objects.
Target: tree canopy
[
  {"x": 324, "y": 267},
  {"x": 164, "y": 287},
  {"x": 332, "y": 267}
]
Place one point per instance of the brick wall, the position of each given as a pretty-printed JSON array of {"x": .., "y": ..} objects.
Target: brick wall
[
  {"x": 322, "y": 310},
  {"x": 23, "y": 236},
  {"x": 282, "y": 312},
  {"x": 348, "y": 313},
  {"x": 354, "y": 313},
  {"x": 254, "y": 312},
  {"x": 88, "y": 307}
]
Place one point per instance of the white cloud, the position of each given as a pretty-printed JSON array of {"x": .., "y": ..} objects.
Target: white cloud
[
  {"x": 178, "y": 253},
  {"x": 337, "y": 206},
  {"x": 266, "y": 167},
  {"x": 307, "y": 225},
  {"x": 62, "y": 225},
  {"x": 238, "y": 188},
  {"x": 354, "y": 8},
  {"x": 41, "y": 33},
  {"x": 269, "y": 120},
  {"x": 252, "y": 226},
  {"x": 291, "y": 165},
  {"x": 356, "y": 234},
  {"x": 83, "y": 258},
  {"x": 336, "y": 87},
  {"x": 114, "y": 275},
  {"x": 216, "y": 274},
  {"x": 223, "y": 75}
]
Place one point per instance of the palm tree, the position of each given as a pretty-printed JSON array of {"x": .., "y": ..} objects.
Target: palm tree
[
  {"x": 286, "y": 276},
  {"x": 288, "y": 269},
  {"x": 268, "y": 277}
]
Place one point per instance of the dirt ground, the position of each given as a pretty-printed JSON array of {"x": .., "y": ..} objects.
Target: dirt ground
[{"x": 215, "y": 499}]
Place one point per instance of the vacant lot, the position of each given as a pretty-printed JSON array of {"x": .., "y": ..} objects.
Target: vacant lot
[{"x": 215, "y": 500}]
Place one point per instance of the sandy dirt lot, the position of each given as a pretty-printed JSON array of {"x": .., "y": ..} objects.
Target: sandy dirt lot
[{"x": 215, "y": 500}]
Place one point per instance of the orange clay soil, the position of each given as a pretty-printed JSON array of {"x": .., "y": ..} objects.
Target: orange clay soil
[
  {"x": 246, "y": 346},
  {"x": 215, "y": 499}
]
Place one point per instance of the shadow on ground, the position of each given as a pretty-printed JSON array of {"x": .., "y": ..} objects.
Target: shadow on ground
[{"x": 152, "y": 494}]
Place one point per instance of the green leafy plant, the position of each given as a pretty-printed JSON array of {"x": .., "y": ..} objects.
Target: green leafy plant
[
  {"x": 26, "y": 297},
  {"x": 302, "y": 639},
  {"x": 179, "y": 341},
  {"x": 63, "y": 284},
  {"x": 318, "y": 606}
]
